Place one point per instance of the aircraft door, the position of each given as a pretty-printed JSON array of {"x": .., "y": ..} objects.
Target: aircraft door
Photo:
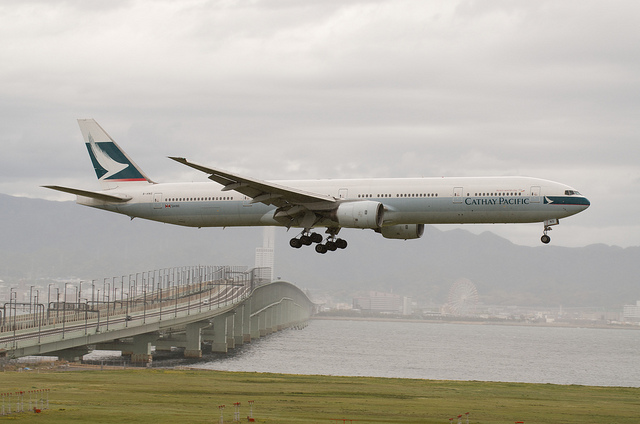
[
  {"x": 157, "y": 200},
  {"x": 535, "y": 194},
  {"x": 343, "y": 193},
  {"x": 457, "y": 195}
]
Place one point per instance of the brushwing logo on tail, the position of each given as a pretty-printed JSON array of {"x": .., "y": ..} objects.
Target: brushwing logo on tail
[{"x": 110, "y": 163}]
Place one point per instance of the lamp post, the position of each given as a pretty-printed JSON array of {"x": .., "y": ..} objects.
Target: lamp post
[
  {"x": 121, "y": 291},
  {"x": 160, "y": 290},
  {"x": 13, "y": 297},
  {"x": 115, "y": 297},
  {"x": 77, "y": 301},
  {"x": 30, "y": 297},
  {"x": 40, "y": 314},
  {"x": 64, "y": 313},
  {"x": 86, "y": 314},
  {"x": 48, "y": 301},
  {"x": 93, "y": 291},
  {"x": 98, "y": 309},
  {"x": 57, "y": 303},
  {"x": 144, "y": 305},
  {"x": 108, "y": 289},
  {"x": 126, "y": 318}
]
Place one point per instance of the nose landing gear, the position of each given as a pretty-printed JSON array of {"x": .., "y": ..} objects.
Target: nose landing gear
[{"x": 547, "y": 227}]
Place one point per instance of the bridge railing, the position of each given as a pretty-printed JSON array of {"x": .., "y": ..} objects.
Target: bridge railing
[{"x": 206, "y": 286}]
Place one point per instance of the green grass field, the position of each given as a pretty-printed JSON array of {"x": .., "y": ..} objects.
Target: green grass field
[{"x": 187, "y": 396}]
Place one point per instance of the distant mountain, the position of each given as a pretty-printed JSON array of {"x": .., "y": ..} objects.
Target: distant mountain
[
  {"x": 503, "y": 273},
  {"x": 44, "y": 239}
]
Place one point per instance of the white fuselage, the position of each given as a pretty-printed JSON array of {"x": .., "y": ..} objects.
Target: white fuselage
[{"x": 405, "y": 201}]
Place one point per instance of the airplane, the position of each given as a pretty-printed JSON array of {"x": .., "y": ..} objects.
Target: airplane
[{"x": 397, "y": 208}]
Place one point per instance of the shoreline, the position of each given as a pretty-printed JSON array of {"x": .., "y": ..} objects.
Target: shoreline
[{"x": 479, "y": 322}]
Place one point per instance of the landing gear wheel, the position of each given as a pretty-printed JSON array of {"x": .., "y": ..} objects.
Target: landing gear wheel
[
  {"x": 316, "y": 238},
  {"x": 341, "y": 243},
  {"x": 306, "y": 240},
  {"x": 330, "y": 245},
  {"x": 295, "y": 243},
  {"x": 321, "y": 248},
  {"x": 547, "y": 227}
]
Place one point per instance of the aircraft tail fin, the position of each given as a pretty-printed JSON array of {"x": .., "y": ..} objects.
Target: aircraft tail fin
[{"x": 114, "y": 168}]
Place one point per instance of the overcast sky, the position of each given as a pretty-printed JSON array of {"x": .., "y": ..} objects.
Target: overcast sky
[{"x": 333, "y": 89}]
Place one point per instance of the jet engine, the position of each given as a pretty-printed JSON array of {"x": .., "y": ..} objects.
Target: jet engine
[
  {"x": 363, "y": 214},
  {"x": 402, "y": 231}
]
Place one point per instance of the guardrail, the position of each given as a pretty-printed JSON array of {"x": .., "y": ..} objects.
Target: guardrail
[{"x": 138, "y": 297}]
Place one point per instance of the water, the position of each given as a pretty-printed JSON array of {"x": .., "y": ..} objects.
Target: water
[{"x": 583, "y": 356}]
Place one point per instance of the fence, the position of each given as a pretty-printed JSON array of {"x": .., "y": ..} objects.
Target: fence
[{"x": 125, "y": 295}]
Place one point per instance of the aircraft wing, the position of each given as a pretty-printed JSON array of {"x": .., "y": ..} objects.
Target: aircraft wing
[
  {"x": 262, "y": 191},
  {"x": 98, "y": 195}
]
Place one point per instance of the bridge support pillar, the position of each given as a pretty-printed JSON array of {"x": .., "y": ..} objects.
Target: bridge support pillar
[
  {"x": 231, "y": 342},
  {"x": 74, "y": 354},
  {"x": 269, "y": 319},
  {"x": 246, "y": 322},
  {"x": 237, "y": 326},
  {"x": 219, "y": 343},
  {"x": 279, "y": 313},
  {"x": 254, "y": 331},
  {"x": 141, "y": 348},
  {"x": 287, "y": 314},
  {"x": 262, "y": 323},
  {"x": 193, "y": 347},
  {"x": 165, "y": 344}
]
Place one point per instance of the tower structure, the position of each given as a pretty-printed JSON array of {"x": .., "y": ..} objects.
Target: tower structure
[{"x": 265, "y": 255}]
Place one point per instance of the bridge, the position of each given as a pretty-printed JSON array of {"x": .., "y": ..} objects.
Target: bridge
[{"x": 185, "y": 307}]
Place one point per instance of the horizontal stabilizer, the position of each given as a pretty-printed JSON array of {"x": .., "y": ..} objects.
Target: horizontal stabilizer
[{"x": 98, "y": 195}]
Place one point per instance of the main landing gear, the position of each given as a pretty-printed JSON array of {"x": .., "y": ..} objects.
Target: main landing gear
[
  {"x": 547, "y": 227},
  {"x": 307, "y": 238}
]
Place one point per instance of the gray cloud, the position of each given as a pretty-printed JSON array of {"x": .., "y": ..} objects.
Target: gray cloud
[{"x": 290, "y": 89}]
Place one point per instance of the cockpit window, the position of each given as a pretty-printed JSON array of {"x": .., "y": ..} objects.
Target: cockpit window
[{"x": 572, "y": 193}]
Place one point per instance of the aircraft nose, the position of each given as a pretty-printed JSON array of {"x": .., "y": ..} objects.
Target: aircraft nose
[{"x": 586, "y": 202}]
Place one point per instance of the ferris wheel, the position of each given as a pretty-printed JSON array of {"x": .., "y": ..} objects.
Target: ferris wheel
[{"x": 463, "y": 298}]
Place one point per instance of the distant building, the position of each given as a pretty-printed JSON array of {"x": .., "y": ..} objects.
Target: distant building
[
  {"x": 4, "y": 290},
  {"x": 631, "y": 312},
  {"x": 265, "y": 256},
  {"x": 383, "y": 302}
]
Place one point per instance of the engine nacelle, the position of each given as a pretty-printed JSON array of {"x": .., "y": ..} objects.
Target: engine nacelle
[
  {"x": 403, "y": 231},
  {"x": 363, "y": 214}
]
